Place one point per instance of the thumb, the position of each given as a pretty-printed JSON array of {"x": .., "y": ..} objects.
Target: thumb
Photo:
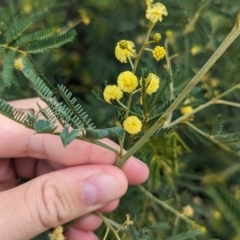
[{"x": 56, "y": 198}]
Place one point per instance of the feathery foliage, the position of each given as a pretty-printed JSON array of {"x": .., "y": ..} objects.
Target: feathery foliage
[{"x": 226, "y": 203}]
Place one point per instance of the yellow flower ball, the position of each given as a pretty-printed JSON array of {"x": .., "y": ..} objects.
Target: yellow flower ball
[
  {"x": 112, "y": 92},
  {"x": 125, "y": 49},
  {"x": 188, "y": 211},
  {"x": 196, "y": 49},
  {"x": 158, "y": 53},
  {"x": 18, "y": 64},
  {"x": 169, "y": 33},
  {"x": 186, "y": 110},
  {"x": 132, "y": 125},
  {"x": 155, "y": 12},
  {"x": 157, "y": 37},
  {"x": 152, "y": 83},
  {"x": 127, "y": 81}
]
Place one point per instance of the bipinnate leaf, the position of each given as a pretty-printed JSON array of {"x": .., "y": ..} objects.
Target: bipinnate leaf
[
  {"x": 67, "y": 136},
  {"x": 51, "y": 42},
  {"x": 104, "y": 133},
  {"x": 226, "y": 203},
  {"x": 44, "y": 126},
  {"x": 189, "y": 235},
  {"x": 218, "y": 125},
  {"x": 8, "y": 67}
]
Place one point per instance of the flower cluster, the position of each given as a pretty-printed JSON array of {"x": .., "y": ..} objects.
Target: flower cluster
[
  {"x": 155, "y": 12},
  {"x": 127, "y": 81},
  {"x": 125, "y": 50}
]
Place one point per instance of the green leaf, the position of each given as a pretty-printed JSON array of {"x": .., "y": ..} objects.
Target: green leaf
[
  {"x": 159, "y": 110},
  {"x": 51, "y": 42},
  {"x": 17, "y": 29},
  {"x": 39, "y": 35},
  {"x": 218, "y": 125},
  {"x": 190, "y": 234},
  {"x": 103, "y": 133},
  {"x": 2, "y": 51},
  {"x": 31, "y": 71},
  {"x": 44, "y": 126},
  {"x": 160, "y": 226},
  {"x": 8, "y": 67},
  {"x": 79, "y": 116},
  {"x": 15, "y": 114},
  {"x": 164, "y": 131},
  {"x": 226, "y": 203},
  {"x": 67, "y": 136}
]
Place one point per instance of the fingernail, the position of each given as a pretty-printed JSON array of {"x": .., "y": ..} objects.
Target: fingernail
[{"x": 100, "y": 188}]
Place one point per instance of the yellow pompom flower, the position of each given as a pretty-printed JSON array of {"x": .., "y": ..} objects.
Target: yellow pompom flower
[
  {"x": 188, "y": 211},
  {"x": 158, "y": 53},
  {"x": 132, "y": 125},
  {"x": 152, "y": 83},
  {"x": 125, "y": 49},
  {"x": 18, "y": 64},
  {"x": 155, "y": 12},
  {"x": 127, "y": 81},
  {"x": 112, "y": 92},
  {"x": 196, "y": 49},
  {"x": 169, "y": 33},
  {"x": 157, "y": 37},
  {"x": 186, "y": 110}
]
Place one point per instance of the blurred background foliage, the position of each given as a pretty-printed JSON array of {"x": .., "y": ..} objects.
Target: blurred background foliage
[{"x": 196, "y": 182}]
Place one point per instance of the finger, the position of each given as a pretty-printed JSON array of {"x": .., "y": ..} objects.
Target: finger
[
  {"x": 109, "y": 207},
  {"x": 48, "y": 147},
  {"x": 74, "y": 233},
  {"x": 7, "y": 174},
  {"x": 30, "y": 167},
  {"x": 88, "y": 222},
  {"x": 58, "y": 197}
]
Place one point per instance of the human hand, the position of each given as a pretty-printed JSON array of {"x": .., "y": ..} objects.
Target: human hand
[{"x": 67, "y": 183}]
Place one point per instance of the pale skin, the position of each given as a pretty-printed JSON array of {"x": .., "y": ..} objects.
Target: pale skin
[{"x": 61, "y": 181}]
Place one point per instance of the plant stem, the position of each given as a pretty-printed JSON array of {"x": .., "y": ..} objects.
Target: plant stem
[
  {"x": 209, "y": 103},
  {"x": 211, "y": 138},
  {"x": 216, "y": 55},
  {"x": 109, "y": 225},
  {"x": 167, "y": 207},
  {"x": 142, "y": 48}
]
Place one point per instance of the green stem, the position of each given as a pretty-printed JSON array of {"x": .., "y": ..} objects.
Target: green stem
[
  {"x": 216, "y": 55},
  {"x": 101, "y": 144},
  {"x": 109, "y": 225},
  {"x": 203, "y": 106},
  {"x": 142, "y": 48},
  {"x": 169, "y": 67},
  {"x": 167, "y": 207},
  {"x": 224, "y": 102},
  {"x": 211, "y": 138}
]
